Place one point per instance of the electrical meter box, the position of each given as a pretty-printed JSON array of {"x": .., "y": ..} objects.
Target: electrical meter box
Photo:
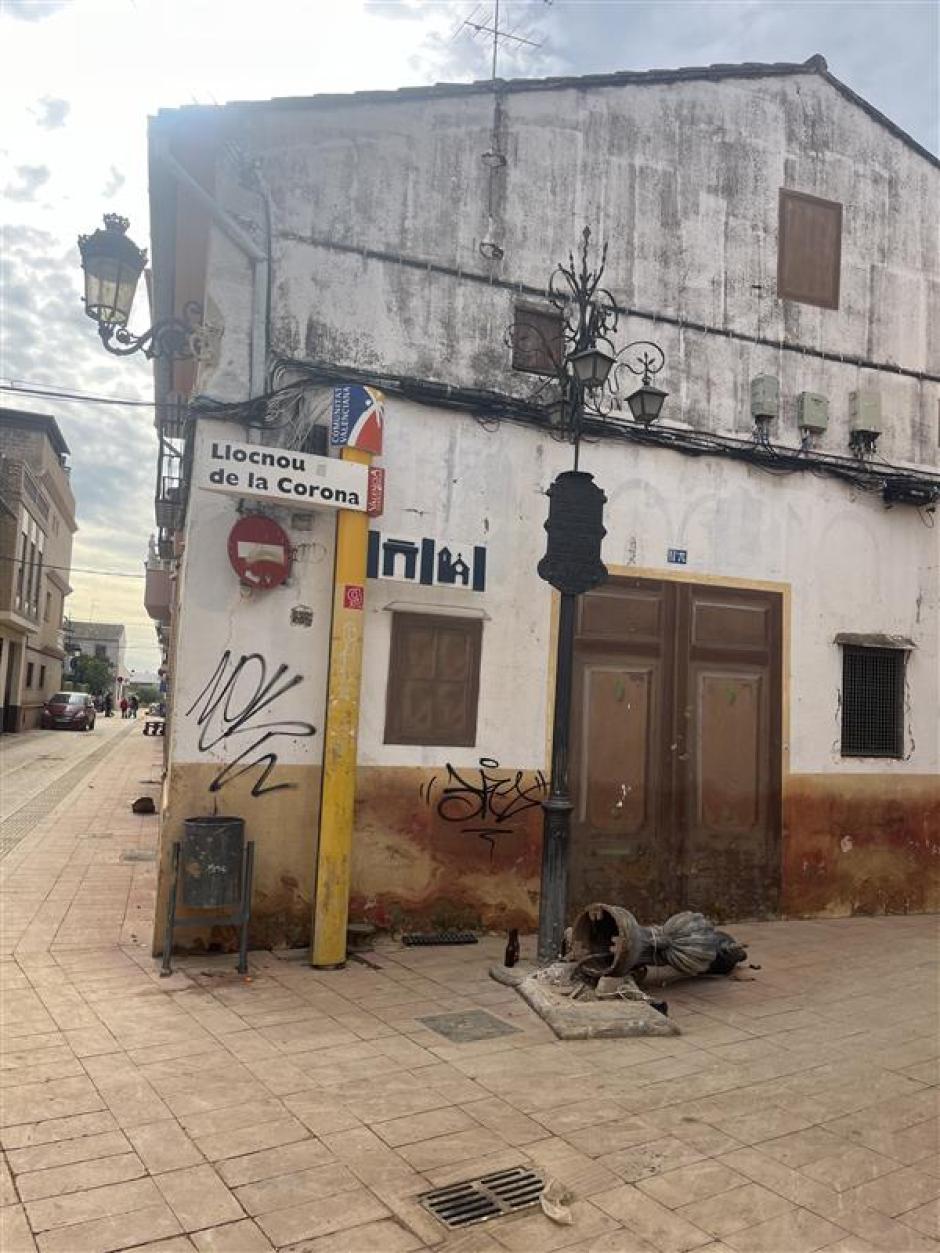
[
  {"x": 765, "y": 397},
  {"x": 812, "y": 412},
  {"x": 865, "y": 412}
]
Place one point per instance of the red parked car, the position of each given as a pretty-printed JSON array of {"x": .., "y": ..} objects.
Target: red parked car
[{"x": 69, "y": 711}]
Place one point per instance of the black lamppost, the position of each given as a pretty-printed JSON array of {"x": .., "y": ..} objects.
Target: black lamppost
[
  {"x": 572, "y": 563},
  {"x": 113, "y": 264}
]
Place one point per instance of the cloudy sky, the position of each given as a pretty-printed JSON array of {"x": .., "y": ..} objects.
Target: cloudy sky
[{"x": 80, "y": 78}]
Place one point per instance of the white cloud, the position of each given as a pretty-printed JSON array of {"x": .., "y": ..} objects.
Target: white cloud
[
  {"x": 30, "y": 10},
  {"x": 51, "y": 112},
  {"x": 115, "y": 182},
  {"x": 29, "y": 178}
]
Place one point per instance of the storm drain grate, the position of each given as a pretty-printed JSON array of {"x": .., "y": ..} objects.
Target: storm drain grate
[{"x": 478, "y": 1200}]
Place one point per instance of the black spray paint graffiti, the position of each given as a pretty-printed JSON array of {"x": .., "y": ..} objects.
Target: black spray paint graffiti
[
  {"x": 484, "y": 803},
  {"x": 228, "y": 710}
]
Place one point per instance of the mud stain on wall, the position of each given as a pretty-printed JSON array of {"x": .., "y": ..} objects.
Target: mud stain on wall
[
  {"x": 861, "y": 844},
  {"x": 425, "y": 857},
  {"x": 853, "y": 844}
]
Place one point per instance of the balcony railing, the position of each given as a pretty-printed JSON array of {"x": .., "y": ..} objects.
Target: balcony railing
[{"x": 168, "y": 504}]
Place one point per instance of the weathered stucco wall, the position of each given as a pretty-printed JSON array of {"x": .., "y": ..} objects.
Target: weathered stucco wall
[
  {"x": 847, "y": 562},
  {"x": 249, "y": 691},
  {"x": 682, "y": 181},
  {"x": 861, "y": 844}
]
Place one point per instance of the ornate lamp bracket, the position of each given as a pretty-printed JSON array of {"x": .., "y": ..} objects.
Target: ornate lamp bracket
[{"x": 174, "y": 338}]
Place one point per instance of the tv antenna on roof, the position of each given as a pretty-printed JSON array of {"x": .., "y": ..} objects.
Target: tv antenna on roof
[{"x": 477, "y": 23}]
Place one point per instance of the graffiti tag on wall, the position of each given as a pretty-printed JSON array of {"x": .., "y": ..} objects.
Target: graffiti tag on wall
[
  {"x": 485, "y": 802},
  {"x": 236, "y": 708}
]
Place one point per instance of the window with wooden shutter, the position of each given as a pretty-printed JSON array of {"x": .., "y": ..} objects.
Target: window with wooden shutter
[
  {"x": 433, "y": 680},
  {"x": 809, "y": 249},
  {"x": 536, "y": 340}
]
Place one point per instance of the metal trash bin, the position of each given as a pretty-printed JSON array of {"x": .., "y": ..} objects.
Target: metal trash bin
[
  {"x": 211, "y": 855},
  {"x": 212, "y": 868}
]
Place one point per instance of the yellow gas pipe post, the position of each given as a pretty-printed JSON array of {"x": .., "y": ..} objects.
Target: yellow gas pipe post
[{"x": 338, "y": 792}]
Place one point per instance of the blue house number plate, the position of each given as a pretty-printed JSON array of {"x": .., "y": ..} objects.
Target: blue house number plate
[{"x": 677, "y": 556}]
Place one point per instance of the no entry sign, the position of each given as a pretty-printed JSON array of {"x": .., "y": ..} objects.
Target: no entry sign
[{"x": 259, "y": 551}]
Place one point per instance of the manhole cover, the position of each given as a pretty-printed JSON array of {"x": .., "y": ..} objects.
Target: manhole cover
[
  {"x": 134, "y": 854},
  {"x": 478, "y": 1200},
  {"x": 468, "y": 1027}
]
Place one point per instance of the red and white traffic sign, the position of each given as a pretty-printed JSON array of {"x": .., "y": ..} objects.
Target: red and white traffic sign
[{"x": 260, "y": 551}]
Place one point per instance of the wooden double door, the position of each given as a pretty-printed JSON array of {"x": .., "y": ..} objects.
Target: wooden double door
[{"x": 675, "y": 765}]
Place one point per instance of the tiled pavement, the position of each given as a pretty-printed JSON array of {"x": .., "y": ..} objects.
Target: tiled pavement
[{"x": 307, "y": 1110}]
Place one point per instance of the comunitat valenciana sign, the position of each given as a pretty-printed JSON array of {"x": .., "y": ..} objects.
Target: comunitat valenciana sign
[{"x": 300, "y": 480}]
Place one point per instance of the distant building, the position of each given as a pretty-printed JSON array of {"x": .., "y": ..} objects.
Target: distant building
[
  {"x": 141, "y": 680},
  {"x": 37, "y": 522},
  {"x": 105, "y": 640}
]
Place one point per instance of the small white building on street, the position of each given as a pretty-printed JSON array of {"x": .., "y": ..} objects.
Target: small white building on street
[
  {"x": 756, "y": 685},
  {"x": 105, "y": 640}
]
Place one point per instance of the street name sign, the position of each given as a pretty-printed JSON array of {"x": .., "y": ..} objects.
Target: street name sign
[{"x": 298, "y": 480}]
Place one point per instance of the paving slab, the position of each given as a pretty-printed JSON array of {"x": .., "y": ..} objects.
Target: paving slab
[{"x": 798, "y": 1110}]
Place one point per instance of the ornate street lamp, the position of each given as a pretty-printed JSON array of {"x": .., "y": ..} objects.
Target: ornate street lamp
[
  {"x": 112, "y": 264},
  {"x": 647, "y": 401},
  {"x": 591, "y": 366},
  {"x": 572, "y": 563}
]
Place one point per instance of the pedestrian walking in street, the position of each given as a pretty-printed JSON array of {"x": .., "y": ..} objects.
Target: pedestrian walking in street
[
  {"x": 123, "y": 706},
  {"x": 109, "y": 706},
  {"x": 135, "y": 705}
]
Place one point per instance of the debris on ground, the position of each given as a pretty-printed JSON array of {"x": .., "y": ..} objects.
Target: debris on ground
[
  {"x": 596, "y": 988},
  {"x": 427, "y": 938},
  {"x": 556, "y": 1200}
]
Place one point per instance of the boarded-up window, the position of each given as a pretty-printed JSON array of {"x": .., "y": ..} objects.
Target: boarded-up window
[
  {"x": 536, "y": 340},
  {"x": 433, "y": 680},
  {"x": 809, "y": 249},
  {"x": 872, "y": 701}
]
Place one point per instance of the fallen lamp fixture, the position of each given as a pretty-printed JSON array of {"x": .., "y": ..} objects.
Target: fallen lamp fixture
[
  {"x": 595, "y": 990},
  {"x": 607, "y": 940}
]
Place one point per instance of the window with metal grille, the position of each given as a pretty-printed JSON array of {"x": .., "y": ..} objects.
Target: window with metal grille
[
  {"x": 433, "y": 680},
  {"x": 872, "y": 701},
  {"x": 536, "y": 340}
]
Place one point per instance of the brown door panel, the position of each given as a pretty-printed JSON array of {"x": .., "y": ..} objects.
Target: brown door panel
[
  {"x": 728, "y": 862},
  {"x": 617, "y": 783},
  {"x": 675, "y": 766},
  {"x": 621, "y": 736},
  {"x": 728, "y": 666}
]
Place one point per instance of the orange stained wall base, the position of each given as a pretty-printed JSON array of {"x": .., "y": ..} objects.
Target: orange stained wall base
[
  {"x": 861, "y": 844},
  {"x": 430, "y": 852}
]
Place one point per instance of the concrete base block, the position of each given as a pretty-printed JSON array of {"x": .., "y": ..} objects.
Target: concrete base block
[{"x": 591, "y": 1019}]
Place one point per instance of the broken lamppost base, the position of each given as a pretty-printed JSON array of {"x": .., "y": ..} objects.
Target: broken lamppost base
[
  {"x": 594, "y": 992},
  {"x": 608, "y": 940}
]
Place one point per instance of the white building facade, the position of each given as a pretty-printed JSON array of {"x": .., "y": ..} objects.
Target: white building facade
[
  {"x": 107, "y": 641},
  {"x": 757, "y": 685}
]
